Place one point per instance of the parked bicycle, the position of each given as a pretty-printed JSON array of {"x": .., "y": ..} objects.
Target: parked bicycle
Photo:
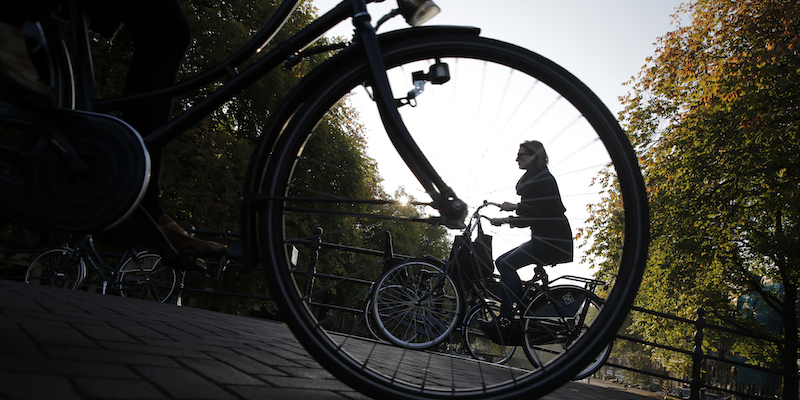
[
  {"x": 420, "y": 302},
  {"x": 138, "y": 274},
  {"x": 443, "y": 98}
]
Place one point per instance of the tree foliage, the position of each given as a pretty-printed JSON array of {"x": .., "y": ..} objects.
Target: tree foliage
[
  {"x": 205, "y": 167},
  {"x": 714, "y": 115}
]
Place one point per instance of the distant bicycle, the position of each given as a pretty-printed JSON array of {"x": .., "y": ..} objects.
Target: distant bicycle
[
  {"x": 418, "y": 303},
  {"x": 139, "y": 274}
]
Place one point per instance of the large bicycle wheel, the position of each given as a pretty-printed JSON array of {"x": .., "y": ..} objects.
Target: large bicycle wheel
[
  {"x": 416, "y": 305},
  {"x": 146, "y": 277},
  {"x": 555, "y": 320},
  {"x": 329, "y": 165},
  {"x": 478, "y": 343},
  {"x": 57, "y": 268}
]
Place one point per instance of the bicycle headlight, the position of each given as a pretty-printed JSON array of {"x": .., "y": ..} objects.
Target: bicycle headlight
[{"x": 418, "y": 12}]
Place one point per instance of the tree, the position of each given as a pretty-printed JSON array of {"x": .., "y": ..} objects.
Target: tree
[
  {"x": 207, "y": 195},
  {"x": 714, "y": 115}
]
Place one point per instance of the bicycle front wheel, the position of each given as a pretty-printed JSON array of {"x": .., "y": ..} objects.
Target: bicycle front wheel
[
  {"x": 416, "y": 305},
  {"x": 57, "y": 268},
  {"x": 478, "y": 342},
  {"x": 322, "y": 196},
  {"x": 147, "y": 277}
]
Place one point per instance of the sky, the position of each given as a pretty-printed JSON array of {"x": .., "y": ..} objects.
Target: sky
[{"x": 603, "y": 43}]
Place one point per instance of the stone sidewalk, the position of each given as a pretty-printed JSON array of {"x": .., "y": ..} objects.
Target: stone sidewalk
[{"x": 61, "y": 344}]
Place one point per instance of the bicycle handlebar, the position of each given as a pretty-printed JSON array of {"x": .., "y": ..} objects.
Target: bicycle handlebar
[{"x": 487, "y": 203}]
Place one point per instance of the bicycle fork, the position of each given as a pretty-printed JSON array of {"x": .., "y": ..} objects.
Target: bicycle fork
[{"x": 453, "y": 210}]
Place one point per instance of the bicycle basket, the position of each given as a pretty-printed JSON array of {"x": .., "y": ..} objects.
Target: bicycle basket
[{"x": 473, "y": 260}]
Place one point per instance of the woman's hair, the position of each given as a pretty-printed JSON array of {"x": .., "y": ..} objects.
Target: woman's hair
[{"x": 536, "y": 148}]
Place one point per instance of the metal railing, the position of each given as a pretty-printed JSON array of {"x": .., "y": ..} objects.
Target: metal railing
[{"x": 696, "y": 382}]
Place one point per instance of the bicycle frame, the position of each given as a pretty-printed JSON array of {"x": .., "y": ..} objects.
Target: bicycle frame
[
  {"x": 87, "y": 250},
  {"x": 452, "y": 209}
]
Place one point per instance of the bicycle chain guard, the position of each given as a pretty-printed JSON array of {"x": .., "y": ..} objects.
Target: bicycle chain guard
[{"x": 42, "y": 188}]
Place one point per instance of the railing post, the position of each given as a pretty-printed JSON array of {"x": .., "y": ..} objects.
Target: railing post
[
  {"x": 311, "y": 272},
  {"x": 697, "y": 383}
]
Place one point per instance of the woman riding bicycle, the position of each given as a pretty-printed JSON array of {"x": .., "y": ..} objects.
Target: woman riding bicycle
[{"x": 541, "y": 209}]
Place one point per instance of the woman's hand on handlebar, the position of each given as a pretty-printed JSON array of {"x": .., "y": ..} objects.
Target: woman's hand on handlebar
[
  {"x": 506, "y": 206},
  {"x": 498, "y": 221}
]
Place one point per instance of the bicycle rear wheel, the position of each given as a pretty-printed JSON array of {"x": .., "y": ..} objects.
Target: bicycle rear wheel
[
  {"x": 329, "y": 168},
  {"x": 595, "y": 364},
  {"x": 558, "y": 318},
  {"x": 57, "y": 268},
  {"x": 146, "y": 277}
]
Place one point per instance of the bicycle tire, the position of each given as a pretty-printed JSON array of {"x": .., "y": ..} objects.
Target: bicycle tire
[
  {"x": 57, "y": 268},
  {"x": 369, "y": 321},
  {"x": 416, "y": 305},
  {"x": 478, "y": 344},
  {"x": 549, "y": 325},
  {"x": 146, "y": 277},
  {"x": 595, "y": 365},
  {"x": 284, "y": 201}
]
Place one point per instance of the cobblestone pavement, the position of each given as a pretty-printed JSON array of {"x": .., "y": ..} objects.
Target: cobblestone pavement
[{"x": 61, "y": 344}]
